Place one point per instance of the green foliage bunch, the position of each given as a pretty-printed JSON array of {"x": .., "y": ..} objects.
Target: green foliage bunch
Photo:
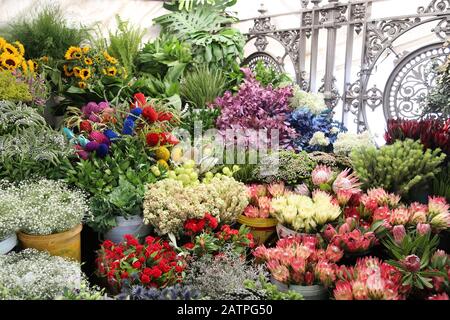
[
  {"x": 13, "y": 90},
  {"x": 396, "y": 168}
]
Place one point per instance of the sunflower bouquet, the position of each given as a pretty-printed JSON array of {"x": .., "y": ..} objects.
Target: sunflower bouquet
[{"x": 12, "y": 57}]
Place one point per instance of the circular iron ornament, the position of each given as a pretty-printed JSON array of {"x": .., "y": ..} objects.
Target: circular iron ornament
[
  {"x": 411, "y": 81},
  {"x": 269, "y": 61}
]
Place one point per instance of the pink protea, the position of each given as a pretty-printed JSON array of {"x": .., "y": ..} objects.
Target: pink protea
[
  {"x": 347, "y": 181},
  {"x": 439, "y": 257},
  {"x": 302, "y": 189},
  {"x": 437, "y": 205},
  {"x": 252, "y": 212},
  {"x": 255, "y": 191},
  {"x": 329, "y": 232},
  {"x": 279, "y": 272},
  {"x": 261, "y": 252},
  {"x": 334, "y": 253},
  {"x": 423, "y": 228},
  {"x": 382, "y": 197},
  {"x": 381, "y": 213},
  {"x": 399, "y": 216},
  {"x": 399, "y": 233},
  {"x": 321, "y": 175},
  {"x": 343, "y": 196},
  {"x": 298, "y": 264},
  {"x": 412, "y": 263},
  {"x": 441, "y": 296},
  {"x": 359, "y": 290},
  {"x": 276, "y": 189},
  {"x": 265, "y": 207},
  {"x": 325, "y": 272},
  {"x": 375, "y": 287},
  {"x": 343, "y": 291},
  {"x": 418, "y": 213}
]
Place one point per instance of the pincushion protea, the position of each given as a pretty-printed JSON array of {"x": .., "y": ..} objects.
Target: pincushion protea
[
  {"x": 321, "y": 175},
  {"x": 346, "y": 181}
]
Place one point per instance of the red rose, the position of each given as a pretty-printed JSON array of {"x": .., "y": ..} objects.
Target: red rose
[
  {"x": 152, "y": 139},
  {"x": 147, "y": 271},
  {"x": 150, "y": 114},
  {"x": 145, "y": 278},
  {"x": 108, "y": 244},
  {"x": 165, "y": 116},
  {"x": 124, "y": 275},
  {"x": 211, "y": 221},
  {"x": 149, "y": 240},
  {"x": 85, "y": 126},
  {"x": 200, "y": 225},
  {"x": 136, "y": 265},
  {"x": 140, "y": 99},
  {"x": 141, "y": 259},
  {"x": 156, "y": 273}
]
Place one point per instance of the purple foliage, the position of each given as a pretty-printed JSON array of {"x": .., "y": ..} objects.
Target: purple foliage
[{"x": 256, "y": 107}]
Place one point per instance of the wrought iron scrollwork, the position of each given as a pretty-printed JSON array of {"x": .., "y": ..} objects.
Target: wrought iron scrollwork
[
  {"x": 268, "y": 60},
  {"x": 435, "y": 6}
]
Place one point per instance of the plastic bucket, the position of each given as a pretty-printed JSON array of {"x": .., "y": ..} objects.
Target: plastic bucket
[
  {"x": 7, "y": 244},
  {"x": 261, "y": 229},
  {"x": 284, "y": 232},
  {"x": 316, "y": 292},
  {"x": 65, "y": 244},
  {"x": 134, "y": 225}
]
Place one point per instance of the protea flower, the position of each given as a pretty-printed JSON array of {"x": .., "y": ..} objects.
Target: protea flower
[
  {"x": 441, "y": 296},
  {"x": 375, "y": 287},
  {"x": 343, "y": 291},
  {"x": 399, "y": 233},
  {"x": 334, "y": 253},
  {"x": 276, "y": 189},
  {"x": 279, "y": 272},
  {"x": 359, "y": 290},
  {"x": 298, "y": 264},
  {"x": 412, "y": 263},
  {"x": 343, "y": 196},
  {"x": 302, "y": 189},
  {"x": 325, "y": 272},
  {"x": 437, "y": 205},
  {"x": 381, "y": 213},
  {"x": 321, "y": 175},
  {"x": 346, "y": 181},
  {"x": 381, "y": 197},
  {"x": 251, "y": 212},
  {"x": 329, "y": 232},
  {"x": 423, "y": 228},
  {"x": 399, "y": 216},
  {"x": 264, "y": 207},
  {"x": 418, "y": 213},
  {"x": 439, "y": 258}
]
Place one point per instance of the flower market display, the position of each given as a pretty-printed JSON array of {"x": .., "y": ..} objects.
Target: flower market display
[{"x": 171, "y": 170}]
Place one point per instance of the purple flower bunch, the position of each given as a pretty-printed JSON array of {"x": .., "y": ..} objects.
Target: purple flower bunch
[
  {"x": 256, "y": 107},
  {"x": 92, "y": 110}
]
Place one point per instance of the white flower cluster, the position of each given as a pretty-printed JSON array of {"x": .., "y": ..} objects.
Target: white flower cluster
[
  {"x": 315, "y": 102},
  {"x": 36, "y": 275},
  {"x": 346, "y": 142},
  {"x": 168, "y": 204},
  {"x": 44, "y": 207},
  {"x": 9, "y": 220},
  {"x": 319, "y": 139}
]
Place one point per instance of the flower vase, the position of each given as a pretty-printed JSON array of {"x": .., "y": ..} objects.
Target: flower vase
[
  {"x": 133, "y": 225},
  {"x": 284, "y": 232},
  {"x": 65, "y": 244},
  {"x": 261, "y": 229},
  {"x": 8, "y": 243},
  {"x": 315, "y": 292}
]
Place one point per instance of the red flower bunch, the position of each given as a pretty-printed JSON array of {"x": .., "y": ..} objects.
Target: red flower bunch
[
  {"x": 153, "y": 264},
  {"x": 204, "y": 239},
  {"x": 350, "y": 237},
  {"x": 432, "y": 133},
  {"x": 370, "y": 279},
  {"x": 301, "y": 261}
]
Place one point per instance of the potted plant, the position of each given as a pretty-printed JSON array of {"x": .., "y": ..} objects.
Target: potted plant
[
  {"x": 51, "y": 217},
  {"x": 257, "y": 215},
  {"x": 299, "y": 264}
]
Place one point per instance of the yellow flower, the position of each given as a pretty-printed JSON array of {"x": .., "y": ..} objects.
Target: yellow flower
[
  {"x": 85, "y": 49},
  {"x": 162, "y": 153},
  {"x": 76, "y": 71},
  {"x": 73, "y": 53},
  {"x": 32, "y": 65},
  {"x": 88, "y": 61},
  {"x": 82, "y": 84},
  {"x": 44, "y": 59},
  {"x": 24, "y": 66},
  {"x": 2, "y": 43},
  {"x": 111, "y": 71},
  {"x": 163, "y": 163},
  {"x": 68, "y": 72},
  {"x": 108, "y": 58},
  {"x": 21, "y": 48},
  {"x": 9, "y": 61},
  {"x": 85, "y": 74},
  {"x": 9, "y": 48}
]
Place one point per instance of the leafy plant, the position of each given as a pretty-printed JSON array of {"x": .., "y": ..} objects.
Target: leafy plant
[
  {"x": 267, "y": 75},
  {"x": 45, "y": 33},
  {"x": 13, "y": 90},
  {"x": 179, "y": 5},
  {"x": 438, "y": 101},
  {"x": 441, "y": 184},
  {"x": 397, "y": 167},
  {"x": 269, "y": 291}
]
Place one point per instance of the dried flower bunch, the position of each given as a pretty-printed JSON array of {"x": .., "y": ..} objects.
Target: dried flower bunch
[
  {"x": 168, "y": 204},
  {"x": 35, "y": 275},
  {"x": 46, "y": 206}
]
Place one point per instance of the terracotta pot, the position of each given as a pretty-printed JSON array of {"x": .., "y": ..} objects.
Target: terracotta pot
[
  {"x": 262, "y": 229},
  {"x": 8, "y": 243},
  {"x": 65, "y": 244}
]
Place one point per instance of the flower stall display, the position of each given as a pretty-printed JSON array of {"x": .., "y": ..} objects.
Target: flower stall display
[
  {"x": 36, "y": 275},
  {"x": 168, "y": 204},
  {"x": 50, "y": 216},
  {"x": 151, "y": 264},
  {"x": 9, "y": 221},
  {"x": 369, "y": 279},
  {"x": 302, "y": 214},
  {"x": 298, "y": 263},
  {"x": 12, "y": 57},
  {"x": 257, "y": 215}
]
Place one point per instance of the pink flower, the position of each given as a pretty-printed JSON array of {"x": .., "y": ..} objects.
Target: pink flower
[
  {"x": 298, "y": 264},
  {"x": 345, "y": 228},
  {"x": 325, "y": 272},
  {"x": 399, "y": 233},
  {"x": 347, "y": 181},
  {"x": 251, "y": 212},
  {"x": 399, "y": 216},
  {"x": 334, "y": 253},
  {"x": 276, "y": 189},
  {"x": 418, "y": 213},
  {"x": 321, "y": 175},
  {"x": 343, "y": 196},
  {"x": 264, "y": 207},
  {"x": 329, "y": 232},
  {"x": 343, "y": 291},
  {"x": 438, "y": 205},
  {"x": 412, "y": 263},
  {"x": 442, "y": 296},
  {"x": 302, "y": 189},
  {"x": 423, "y": 228},
  {"x": 359, "y": 290}
]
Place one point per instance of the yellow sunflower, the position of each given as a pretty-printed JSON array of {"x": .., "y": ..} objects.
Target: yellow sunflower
[
  {"x": 85, "y": 49},
  {"x": 9, "y": 61},
  {"x": 67, "y": 71},
  {"x": 32, "y": 65},
  {"x": 108, "y": 58},
  {"x": 82, "y": 85},
  {"x": 85, "y": 74},
  {"x": 88, "y": 61},
  {"x": 111, "y": 71},
  {"x": 2, "y": 43},
  {"x": 76, "y": 71},
  {"x": 73, "y": 53},
  {"x": 24, "y": 66},
  {"x": 9, "y": 48},
  {"x": 20, "y": 47}
]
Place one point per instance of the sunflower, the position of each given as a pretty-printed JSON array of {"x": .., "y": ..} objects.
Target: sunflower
[
  {"x": 68, "y": 72},
  {"x": 108, "y": 58},
  {"x": 76, "y": 71},
  {"x": 24, "y": 66},
  {"x": 82, "y": 85},
  {"x": 111, "y": 71},
  {"x": 73, "y": 53},
  {"x": 32, "y": 65},
  {"x": 21, "y": 48},
  {"x": 85, "y": 49},
  {"x": 9, "y": 61},
  {"x": 2, "y": 43},
  {"x": 9, "y": 48},
  {"x": 85, "y": 74},
  {"x": 88, "y": 61}
]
